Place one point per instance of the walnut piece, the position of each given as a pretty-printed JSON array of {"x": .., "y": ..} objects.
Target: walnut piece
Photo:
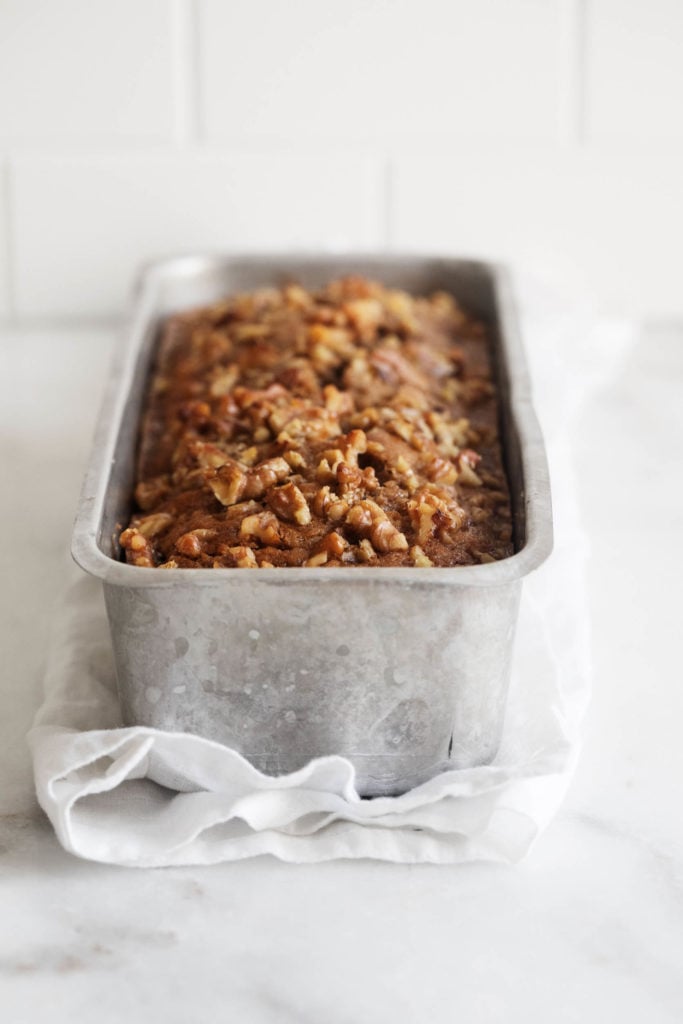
[
  {"x": 263, "y": 526},
  {"x": 371, "y": 522},
  {"x": 289, "y": 503}
]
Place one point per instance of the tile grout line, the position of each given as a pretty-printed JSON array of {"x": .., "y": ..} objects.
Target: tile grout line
[
  {"x": 187, "y": 129},
  {"x": 571, "y": 113}
]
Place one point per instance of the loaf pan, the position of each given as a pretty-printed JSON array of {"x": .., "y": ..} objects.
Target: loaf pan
[{"x": 404, "y": 671}]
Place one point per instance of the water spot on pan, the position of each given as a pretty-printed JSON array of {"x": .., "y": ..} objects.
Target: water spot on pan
[
  {"x": 182, "y": 646},
  {"x": 139, "y": 614},
  {"x": 406, "y": 725}
]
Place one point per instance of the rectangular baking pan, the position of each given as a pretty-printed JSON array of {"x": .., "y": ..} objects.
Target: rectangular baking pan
[{"x": 404, "y": 671}]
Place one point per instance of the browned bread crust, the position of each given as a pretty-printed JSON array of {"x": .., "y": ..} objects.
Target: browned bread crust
[{"x": 355, "y": 425}]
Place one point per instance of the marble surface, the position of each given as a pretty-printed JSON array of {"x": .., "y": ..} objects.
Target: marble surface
[{"x": 588, "y": 929}]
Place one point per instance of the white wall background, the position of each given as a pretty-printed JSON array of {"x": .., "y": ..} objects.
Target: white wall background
[{"x": 546, "y": 132}]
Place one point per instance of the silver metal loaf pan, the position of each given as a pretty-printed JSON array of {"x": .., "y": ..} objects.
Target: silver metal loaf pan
[{"x": 402, "y": 670}]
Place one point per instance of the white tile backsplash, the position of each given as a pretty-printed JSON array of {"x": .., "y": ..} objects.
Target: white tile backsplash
[
  {"x": 81, "y": 226},
  {"x": 378, "y": 71},
  {"x": 634, "y": 69},
  {"x": 4, "y": 246},
  {"x": 607, "y": 223},
  {"x": 545, "y": 132},
  {"x": 84, "y": 70}
]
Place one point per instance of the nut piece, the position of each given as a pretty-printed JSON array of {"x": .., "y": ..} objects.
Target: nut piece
[
  {"x": 327, "y": 505},
  {"x": 484, "y": 557},
  {"x": 208, "y": 456},
  {"x": 263, "y": 526},
  {"x": 419, "y": 558},
  {"x": 338, "y": 402},
  {"x": 244, "y": 557},
  {"x": 366, "y": 553},
  {"x": 333, "y": 544},
  {"x": 318, "y": 559},
  {"x": 289, "y": 503},
  {"x": 264, "y": 475},
  {"x": 372, "y": 522},
  {"x": 435, "y": 513},
  {"x": 150, "y": 526},
  {"x": 191, "y": 544},
  {"x": 441, "y": 470},
  {"x": 232, "y": 482},
  {"x": 365, "y": 314},
  {"x": 294, "y": 459},
  {"x": 224, "y": 381},
  {"x": 467, "y": 462},
  {"x": 228, "y": 483},
  {"x": 138, "y": 550}
]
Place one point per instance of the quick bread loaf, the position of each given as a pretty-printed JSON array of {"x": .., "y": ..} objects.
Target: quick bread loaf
[{"x": 355, "y": 425}]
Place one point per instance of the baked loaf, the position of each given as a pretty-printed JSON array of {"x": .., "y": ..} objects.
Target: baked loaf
[{"x": 355, "y": 425}]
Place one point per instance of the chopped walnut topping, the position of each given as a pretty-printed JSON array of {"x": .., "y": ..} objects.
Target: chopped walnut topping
[
  {"x": 244, "y": 557},
  {"x": 233, "y": 482},
  {"x": 207, "y": 456},
  {"x": 372, "y": 522},
  {"x": 483, "y": 556},
  {"x": 366, "y": 315},
  {"x": 152, "y": 525},
  {"x": 249, "y": 456},
  {"x": 366, "y": 552},
  {"x": 294, "y": 459},
  {"x": 224, "y": 381},
  {"x": 137, "y": 547},
  {"x": 419, "y": 558},
  {"x": 467, "y": 461},
  {"x": 264, "y": 475},
  {"x": 441, "y": 470},
  {"x": 351, "y": 425},
  {"x": 228, "y": 483},
  {"x": 318, "y": 559},
  {"x": 262, "y": 526},
  {"x": 314, "y": 425},
  {"x": 340, "y": 403},
  {"x": 289, "y": 503},
  {"x": 192, "y": 544},
  {"x": 334, "y": 544},
  {"x": 434, "y": 514}
]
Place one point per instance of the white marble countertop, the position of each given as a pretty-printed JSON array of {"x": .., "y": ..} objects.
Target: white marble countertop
[{"x": 588, "y": 929}]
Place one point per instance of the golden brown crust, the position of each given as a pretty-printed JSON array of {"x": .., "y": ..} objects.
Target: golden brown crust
[{"x": 355, "y": 425}]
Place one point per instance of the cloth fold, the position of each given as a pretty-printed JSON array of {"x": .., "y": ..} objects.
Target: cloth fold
[{"x": 143, "y": 797}]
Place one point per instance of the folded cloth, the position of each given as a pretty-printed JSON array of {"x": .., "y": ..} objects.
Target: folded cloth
[{"x": 142, "y": 797}]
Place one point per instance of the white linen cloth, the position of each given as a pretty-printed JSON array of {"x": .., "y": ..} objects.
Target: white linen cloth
[{"x": 142, "y": 797}]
